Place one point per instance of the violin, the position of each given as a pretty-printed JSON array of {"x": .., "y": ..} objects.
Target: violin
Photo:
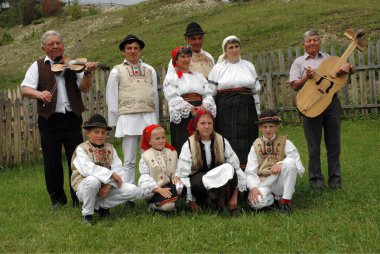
[
  {"x": 317, "y": 93},
  {"x": 76, "y": 65}
]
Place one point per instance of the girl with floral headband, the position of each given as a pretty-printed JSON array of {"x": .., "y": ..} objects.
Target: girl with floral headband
[
  {"x": 273, "y": 166},
  {"x": 185, "y": 91}
]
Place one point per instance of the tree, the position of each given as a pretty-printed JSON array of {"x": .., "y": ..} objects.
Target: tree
[{"x": 27, "y": 11}]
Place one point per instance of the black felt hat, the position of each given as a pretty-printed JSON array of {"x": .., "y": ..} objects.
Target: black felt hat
[
  {"x": 193, "y": 28},
  {"x": 96, "y": 121},
  {"x": 129, "y": 39}
]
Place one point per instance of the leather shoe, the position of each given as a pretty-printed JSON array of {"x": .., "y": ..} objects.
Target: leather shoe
[
  {"x": 103, "y": 212},
  {"x": 87, "y": 219},
  {"x": 285, "y": 209}
]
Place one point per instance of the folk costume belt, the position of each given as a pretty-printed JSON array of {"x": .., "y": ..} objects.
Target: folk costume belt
[
  {"x": 191, "y": 97},
  {"x": 241, "y": 90}
]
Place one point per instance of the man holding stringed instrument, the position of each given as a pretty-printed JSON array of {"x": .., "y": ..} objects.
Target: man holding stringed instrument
[
  {"x": 306, "y": 74},
  {"x": 59, "y": 108}
]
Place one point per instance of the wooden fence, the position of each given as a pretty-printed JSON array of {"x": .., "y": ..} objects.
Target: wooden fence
[{"x": 20, "y": 141}]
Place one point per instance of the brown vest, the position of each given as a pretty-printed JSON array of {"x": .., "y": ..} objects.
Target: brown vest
[
  {"x": 100, "y": 156},
  {"x": 47, "y": 81},
  {"x": 268, "y": 154}
]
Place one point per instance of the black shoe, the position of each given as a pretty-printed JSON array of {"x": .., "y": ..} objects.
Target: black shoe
[
  {"x": 103, "y": 212},
  {"x": 129, "y": 205},
  {"x": 87, "y": 219},
  {"x": 335, "y": 187},
  {"x": 56, "y": 206},
  {"x": 285, "y": 209}
]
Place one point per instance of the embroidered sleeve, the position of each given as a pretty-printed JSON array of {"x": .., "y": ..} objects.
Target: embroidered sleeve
[
  {"x": 292, "y": 158},
  {"x": 178, "y": 107},
  {"x": 184, "y": 168},
  {"x": 146, "y": 182},
  {"x": 251, "y": 170},
  {"x": 209, "y": 104},
  {"x": 232, "y": 159}
]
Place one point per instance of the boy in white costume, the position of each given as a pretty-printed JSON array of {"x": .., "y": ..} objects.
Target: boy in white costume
[
  {"x": 98, "y": 174},
  {"x": 273, "y": 166}
]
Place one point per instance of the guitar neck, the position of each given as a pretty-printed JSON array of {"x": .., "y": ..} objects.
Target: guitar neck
[{"x": 343, "y": 58}]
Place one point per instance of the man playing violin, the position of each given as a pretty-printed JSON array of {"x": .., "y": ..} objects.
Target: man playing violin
[
  {"x": 303, "y": 69},
  {"x": 59, "y": 108}
]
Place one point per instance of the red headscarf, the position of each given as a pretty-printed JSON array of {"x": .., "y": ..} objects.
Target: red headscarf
[
  {"x": 146, "y": 137},
  {"x": 175, "y": 53},
  {"x": 192, "y": 126}
]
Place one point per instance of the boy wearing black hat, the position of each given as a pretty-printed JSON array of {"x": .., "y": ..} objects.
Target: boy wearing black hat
[
  {"x": 273, "y": 166},
  {"x": 98, "y": 174},
  {"x": 132, "y": 100},
  {"x": 201, "y": 61}
]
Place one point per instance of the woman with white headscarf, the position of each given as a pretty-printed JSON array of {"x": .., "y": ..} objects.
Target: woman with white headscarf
[{"x": 236, "y": 89}]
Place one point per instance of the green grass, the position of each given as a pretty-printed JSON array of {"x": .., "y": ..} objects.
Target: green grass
[
  {"x": 343, "y": 221},
  {"x": 262, "y": 25}
]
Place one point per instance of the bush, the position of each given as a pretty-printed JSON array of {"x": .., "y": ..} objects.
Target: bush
[
  {"x": 5, "y": 38},
  {"x": 27, "y": 11},
  {"x": 75, "y": 11},
  {"x": 93, "y": 10},
  {"x": 50, "y": 8}
]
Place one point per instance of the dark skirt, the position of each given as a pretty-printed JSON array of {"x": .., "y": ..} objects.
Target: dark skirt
[
  {"x": 236, "y": 121},
  {"x": 160, "y": 200},
  {"x": 214, "y": 198},
  {"x": 178, "y": 132}
]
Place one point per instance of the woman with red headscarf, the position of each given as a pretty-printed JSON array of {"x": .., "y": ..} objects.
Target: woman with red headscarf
[
  {"x": 185, "y": 91},
  {"x": 209, "y": 167},
  {"x": 158, "y": 163}
]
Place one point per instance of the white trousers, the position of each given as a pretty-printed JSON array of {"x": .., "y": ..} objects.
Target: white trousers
[
  {"x": 89, "y": 188},
  {"x": 130, "y": 145},
  {"x": 281, "y": 185}
]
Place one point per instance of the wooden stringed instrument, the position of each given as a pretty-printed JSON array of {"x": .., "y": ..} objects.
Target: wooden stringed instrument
[{"x": 317, "y": 93}]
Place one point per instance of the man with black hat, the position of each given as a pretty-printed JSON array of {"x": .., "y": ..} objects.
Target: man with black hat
[
  {"x": 98, "y": 172},
  {"x": 201, "y": 61},
  {"x": 132, "y": 100}
]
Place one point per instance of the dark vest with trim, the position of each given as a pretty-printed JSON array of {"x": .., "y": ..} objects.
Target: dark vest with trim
[{"x": 47, "y": 81}]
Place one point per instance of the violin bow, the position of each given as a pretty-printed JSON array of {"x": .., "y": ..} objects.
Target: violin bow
[{"x": 63, "y": 72}]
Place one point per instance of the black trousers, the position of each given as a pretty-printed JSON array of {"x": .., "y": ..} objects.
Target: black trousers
[
  {"x": 329, "y": 121},
  {"x": 215, "y": 197},
  {"x": 59, "y": 129}
]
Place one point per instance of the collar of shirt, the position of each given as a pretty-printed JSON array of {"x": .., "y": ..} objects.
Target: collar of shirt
[
  {"x": 48, "y": 59},
  {"x": 307, "y": 56},
  {"x": 129, "y": 63},
  {"x": 273, "y": 138}
]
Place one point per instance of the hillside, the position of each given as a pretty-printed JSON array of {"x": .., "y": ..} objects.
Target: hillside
[{"x": 262, "y": 25}]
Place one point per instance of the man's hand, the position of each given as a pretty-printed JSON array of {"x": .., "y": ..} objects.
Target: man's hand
[
  {"x": 90, "y": 67},
  {"x": 344, "y": 69},
  {"x": 103, "y": 191},
  {"x": 45, "y": 96},
  {"x": 232, "y": 203},
  {"x": 310, "y": 72},
  {"x": 253, "y": 196},
  {"x": 165, "y": 192},
  {"x": 276, "y": 169},
  {"x": 117, "y": 178}
]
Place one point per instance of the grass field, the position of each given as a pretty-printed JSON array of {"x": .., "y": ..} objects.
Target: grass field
[{"x": 343, "y": 221}]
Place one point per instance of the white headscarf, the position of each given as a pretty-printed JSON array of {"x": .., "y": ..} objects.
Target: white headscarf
[{"x": 223, "y": 57}]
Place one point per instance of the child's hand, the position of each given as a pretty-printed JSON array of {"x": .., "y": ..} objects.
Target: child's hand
[
  {"x": 165, "y": 192},
  {"x": 103, "y": 191},
  {"x": 276, "y": 169},
  {"x": 253, "y": 196},
  {"x": 176, "y": 180},
  {"x": 117, "y": 178}
]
